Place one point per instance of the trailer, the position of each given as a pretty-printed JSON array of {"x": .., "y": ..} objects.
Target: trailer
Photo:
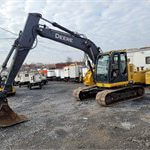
[
  {"x": 74, "y": 73},
  {"x": 62, "y": 75},
  {"x": 51, "y": 75},
  {"x": 66, "y": 73},
  {"x": 58, "y": 74}
]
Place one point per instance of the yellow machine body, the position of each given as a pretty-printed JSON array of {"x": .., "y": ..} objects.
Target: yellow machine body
[
  {"x": 88, "y": 79},
  {"x": 13, "y": 92},
  {"x": 116, "y": 80},
  {"x": 147, "y": 78},
  {"x": 138, "y": 77},
  {"x": 134, "y": 76},
  {"x": 111, "y": 85}
]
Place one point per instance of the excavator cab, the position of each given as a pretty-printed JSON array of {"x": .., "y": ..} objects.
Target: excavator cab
[
  {"x": 111, "y": 69},
  {"x": 112, "y": 78}
]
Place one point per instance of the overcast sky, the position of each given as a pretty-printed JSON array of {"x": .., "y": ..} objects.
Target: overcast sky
[{"x": 111, "y": 24}]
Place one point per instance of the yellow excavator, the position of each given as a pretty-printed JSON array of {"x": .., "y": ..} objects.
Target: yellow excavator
[
  {"x": 112, "y": 77},
  {"x": 115, "y": 80}
]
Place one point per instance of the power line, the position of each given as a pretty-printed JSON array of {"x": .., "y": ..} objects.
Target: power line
[
  {"x": 8, "y": 31},
  {"x": 7, "y": 38}
]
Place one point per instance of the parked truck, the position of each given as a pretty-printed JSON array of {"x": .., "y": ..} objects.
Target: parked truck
[
  {"x": 24, "y": 78},
  {"x": 44, "y": 79},
  {"x": 35, "y": 80},
  {"x": 17, "y": 80}
]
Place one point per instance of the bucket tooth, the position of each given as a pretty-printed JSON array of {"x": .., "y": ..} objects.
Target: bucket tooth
[{"x": 8, "y": 117}]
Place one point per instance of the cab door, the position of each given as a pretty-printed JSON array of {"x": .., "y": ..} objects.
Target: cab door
[{"x": 118, "y": 67}]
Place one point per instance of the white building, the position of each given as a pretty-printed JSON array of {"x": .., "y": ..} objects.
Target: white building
[{"x": 140, "y": 57}]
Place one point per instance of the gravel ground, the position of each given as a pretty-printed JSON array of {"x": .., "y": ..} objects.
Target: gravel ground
[{"x": 60, "y": 122}]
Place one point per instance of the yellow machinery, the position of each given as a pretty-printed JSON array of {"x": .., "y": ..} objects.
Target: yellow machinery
[
  {"x": 88, "y": 79},
  {"x": 11, "y": 89},
  {"x": 115, "y": 79},
  {"x": 11, "y": 92}
]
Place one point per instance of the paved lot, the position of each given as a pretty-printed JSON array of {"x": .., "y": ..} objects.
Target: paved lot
[{"x": 59, "y": 122}]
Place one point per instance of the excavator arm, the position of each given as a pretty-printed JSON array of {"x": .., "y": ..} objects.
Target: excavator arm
[
  {"x": 29, "y": 35},
  {"x": 24, "y": 43},
  {"x": 75, "y": 41}
]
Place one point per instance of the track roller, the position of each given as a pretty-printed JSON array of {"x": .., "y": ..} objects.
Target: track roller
[
  {"x": 81, "y": 94},
  {"x": 108, "y": 97}
]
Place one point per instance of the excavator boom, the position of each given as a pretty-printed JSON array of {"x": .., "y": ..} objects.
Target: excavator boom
[
  {"x": 7, "y": 116},
  {"x": 25, "y": 42}
]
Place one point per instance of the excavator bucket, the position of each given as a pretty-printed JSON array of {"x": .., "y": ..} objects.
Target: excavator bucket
[{"x": 8, "y": 117}]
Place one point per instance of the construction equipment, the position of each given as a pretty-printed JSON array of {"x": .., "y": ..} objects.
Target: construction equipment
[
  {"x": 88, "y": 78},
  {"x": 113, "y": 78},
  {"x": 116, "y": 80},
  {"x": 24, "y": 44},
  {"x": 12, "y": 90},
  {"x": 4, "y": 72}
]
